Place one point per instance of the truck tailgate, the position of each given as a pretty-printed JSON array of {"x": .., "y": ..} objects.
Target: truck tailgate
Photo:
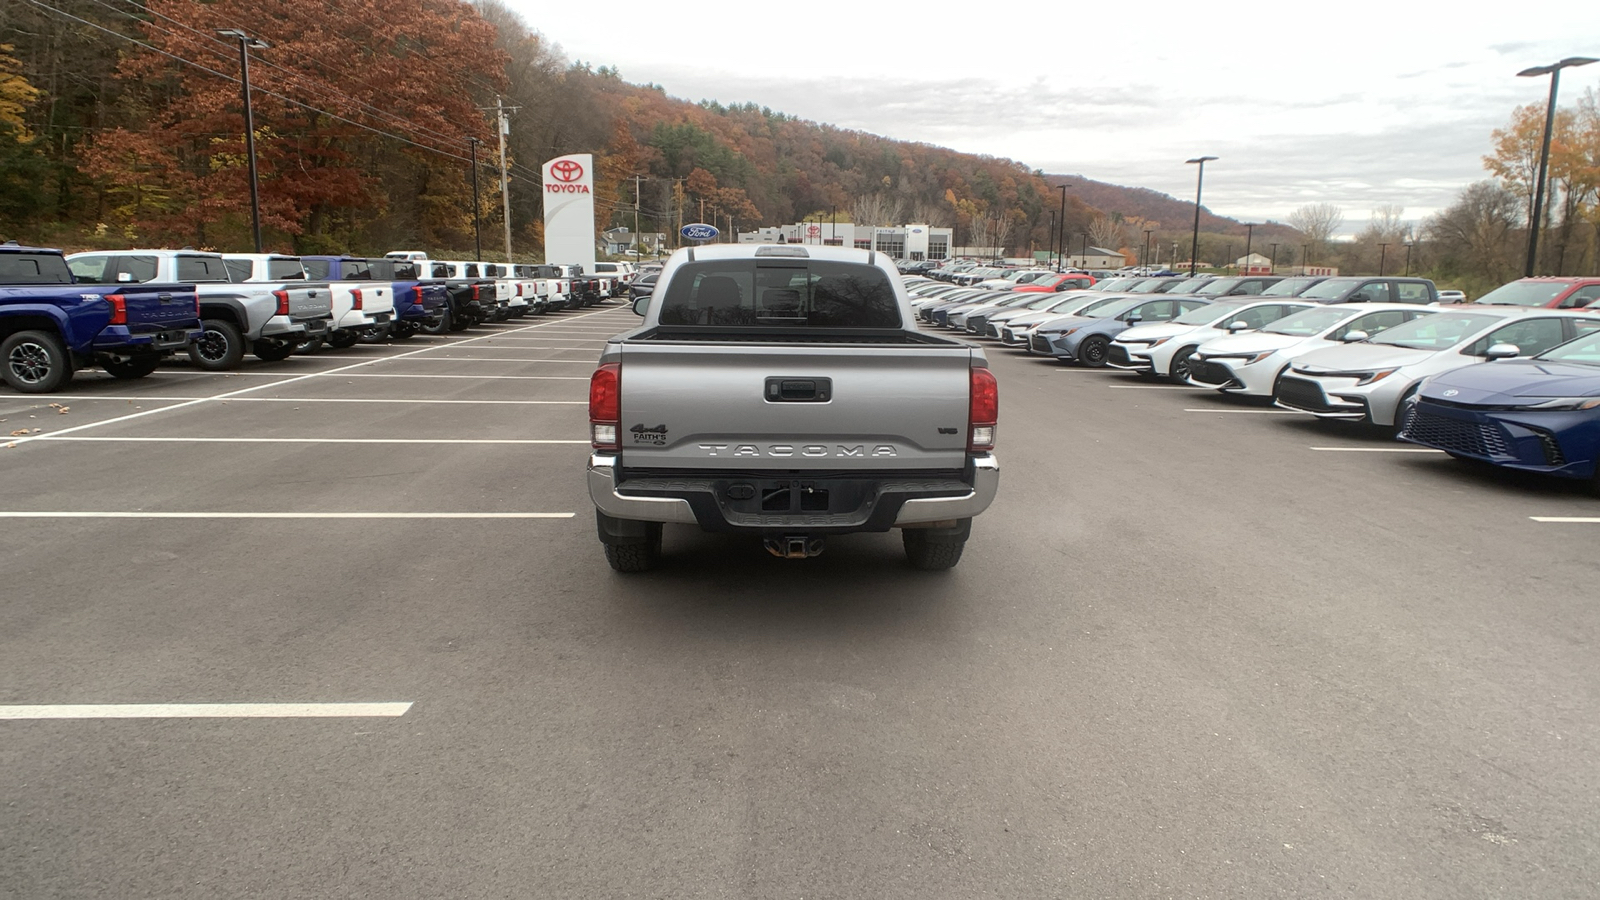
[
  {"x": 794, "y": 407},
  {"x": 154, "y": 308},
  {"x": 308, "y": 301}
]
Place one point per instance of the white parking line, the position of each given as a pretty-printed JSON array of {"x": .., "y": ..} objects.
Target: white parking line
[
  {"x": 205, "y": 711},
  {"x": 228, "y": 394},
  {"x": 575, "y": 362},
  {"x": 1568, "y": 520},
  {"x": 247, "y": 440},
  {"x": 77, "y": 398},
  {"x": 1376, "y": 450},
  {"x": 1248, "y": 412},
  {"x": 1151, "y": 387}
]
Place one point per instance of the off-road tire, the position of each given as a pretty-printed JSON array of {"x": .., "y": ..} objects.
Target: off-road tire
[
  {"x": 35, "y": 362},
  {"x": 446, "y": 319},
  {"x": 272, "y": 351},
  {"x": 138, "y": 367},
  {"x": 220, "y": 347},
  {"x": 930, "y": 556},
  {"x": 630, "y": 558}
]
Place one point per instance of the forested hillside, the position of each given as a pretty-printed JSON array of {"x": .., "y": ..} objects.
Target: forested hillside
[{"x": 121, "y": 124}]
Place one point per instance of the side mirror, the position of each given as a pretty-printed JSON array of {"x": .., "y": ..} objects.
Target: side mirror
[
  {"x": 639, "y": 304},
  {"x": 1237, "y": 326},
  {"x": 1502, "y": 351},
  {"x": 124, "y": 278},
  {"x": 1133, "y": 318},
  {"x": 1354, "y": 337}
]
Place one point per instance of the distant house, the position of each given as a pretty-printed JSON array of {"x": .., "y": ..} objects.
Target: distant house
[
  {"x": 621, "y": 242},
  {"x": 1254, "y": 264},
  {"x": 1097, "y": 258}
]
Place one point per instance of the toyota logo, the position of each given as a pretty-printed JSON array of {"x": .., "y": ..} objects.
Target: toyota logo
[
  {"x": 1451, "y": 393},
  {"x": 566, "y": 170}
]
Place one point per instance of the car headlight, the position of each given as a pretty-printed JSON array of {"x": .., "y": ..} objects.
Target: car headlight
[
  {"x": 1566, "y": 403},
  {"x": 1244, "y": 359},
  {"x": 1158, "y": 342},
  {"x": 1362, "y": 377},
  {"x": 1069, "y": 331}
]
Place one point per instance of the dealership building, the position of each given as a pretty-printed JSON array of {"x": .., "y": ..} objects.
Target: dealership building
[{"x": 899, "y": 241}]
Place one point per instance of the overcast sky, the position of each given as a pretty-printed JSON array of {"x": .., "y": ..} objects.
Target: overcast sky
[{"x": 1358, "y": 103}]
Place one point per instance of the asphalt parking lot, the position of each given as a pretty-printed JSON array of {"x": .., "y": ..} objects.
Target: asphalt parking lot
[{"x": 1197, "y": 648}]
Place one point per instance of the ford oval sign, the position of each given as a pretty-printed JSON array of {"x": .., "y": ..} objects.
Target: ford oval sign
[{"x": 699, "y": 232}]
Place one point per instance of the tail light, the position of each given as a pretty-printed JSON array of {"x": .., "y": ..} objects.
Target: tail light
[
  {"x": 605, "y": 406},
  {"x": 476, "y": 291},
  {"x": 283, "y": 302},
  {"x": 119, "y": 309},
  {"x": 983, "y": 409},
  {"x": 197, "y": 303},
  {"x": 416, "y": 293},
  {"x": 355, "y": 298}
]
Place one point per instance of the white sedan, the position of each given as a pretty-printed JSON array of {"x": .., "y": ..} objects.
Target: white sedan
[
  {"x": 1250, "y": 363},
  {"x": 1163, "y": 348},
  {"x": 1370, "y": 380}
]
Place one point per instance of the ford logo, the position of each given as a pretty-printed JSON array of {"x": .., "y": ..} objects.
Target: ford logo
[{"x": 699, "y": 232}]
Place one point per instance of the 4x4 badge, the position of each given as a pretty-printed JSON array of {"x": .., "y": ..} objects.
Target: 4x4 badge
[{"x": 645, "y": 435}]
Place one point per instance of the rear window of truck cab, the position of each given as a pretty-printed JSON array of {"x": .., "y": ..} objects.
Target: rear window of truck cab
[
  {"x": 33, "y": 268},
  {"x": 780, "y": 293}
]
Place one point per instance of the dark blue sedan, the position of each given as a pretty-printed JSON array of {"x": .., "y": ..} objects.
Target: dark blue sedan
[{"x": 1540, "y": 414}]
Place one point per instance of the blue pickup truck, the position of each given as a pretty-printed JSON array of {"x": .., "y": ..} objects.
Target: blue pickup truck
[{"x": 51, "y": 326}]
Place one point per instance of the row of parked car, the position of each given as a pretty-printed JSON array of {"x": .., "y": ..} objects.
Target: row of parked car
[
  {"x": 127, "y": 310},
  {"x": 1381, "y": 351}
]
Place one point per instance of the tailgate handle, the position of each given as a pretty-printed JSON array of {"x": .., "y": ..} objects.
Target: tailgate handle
[
  {"x": 164, "y": 298},
  {"x": 799, "y": 390}
]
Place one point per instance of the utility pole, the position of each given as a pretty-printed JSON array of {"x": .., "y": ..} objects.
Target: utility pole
[
  {"x": 1274, "y": 269},
  {"x": 1147, "y": 233},
  {"x": 1061, "y": 238},
  {"x": 637, "y": 248},
  {"x": 1383, "y": 253},
  {"x": 477, "y": 235},
  {"x": 1249, "y": 234},
  {"x": 505, "y": 174},
  {"x": 245, "y": 43}
]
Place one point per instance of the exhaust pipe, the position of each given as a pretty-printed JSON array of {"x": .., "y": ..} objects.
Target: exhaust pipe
[{"x": 794, "y": 547}]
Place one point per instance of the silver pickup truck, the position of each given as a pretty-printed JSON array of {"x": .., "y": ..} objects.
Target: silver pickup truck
[{"x": 783, "y": 391}]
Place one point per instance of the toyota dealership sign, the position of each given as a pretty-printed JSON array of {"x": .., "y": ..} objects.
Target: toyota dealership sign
[{"x": 569, "y": 210}]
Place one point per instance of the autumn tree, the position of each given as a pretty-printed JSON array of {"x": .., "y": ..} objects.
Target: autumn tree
[
  {"x": 21, "y": 165},
  {"x": 1473, "y": 237}
]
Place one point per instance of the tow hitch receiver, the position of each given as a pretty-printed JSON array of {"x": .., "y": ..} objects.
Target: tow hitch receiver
[{"x": 794, "y": 546}]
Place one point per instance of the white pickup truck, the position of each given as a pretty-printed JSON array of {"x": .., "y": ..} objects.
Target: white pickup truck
[
  {"x": 360, "y": 302},
  {"x": 268, "y": 312},
  {"x": 783, "y": 391}
]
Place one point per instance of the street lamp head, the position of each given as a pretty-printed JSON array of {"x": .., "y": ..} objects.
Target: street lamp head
[
  {"x": 1200, "y": 159},
  {"x": 238, "y": 35},
  {"x": 1568, "y": 63}
]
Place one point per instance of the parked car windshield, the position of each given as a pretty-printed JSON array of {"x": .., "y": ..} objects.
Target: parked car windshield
[
  {"x": 1310, "y": 322},
  {"x": 1524, "y": 293},
  {"x": 1289, "y": 287},
  {"x": 1436, "y": 332},
  {"x": 1584, "y": 351},
  {"x": 1216, "y": 287},
  {"x": 1116, "y": 284},
  {"x": 1189, "y": 286},
  {"x": 1111, "y": 306},
  {"x": 1332, "y": 289},
  {"x": 780, "y": 293},
  {"x": 1045, "y": 303},
  {"x": 1205, "y": 315}
]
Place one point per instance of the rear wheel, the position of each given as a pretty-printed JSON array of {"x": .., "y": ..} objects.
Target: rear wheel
[
  {"x": 442, "y": 326},
  {"x": 930, "y": 555},
  {"x": 310, "y": 345},
  {"x": 376, "y": 335},
  {"x": 343, "y": 339},
  {"x": 138, "y": 367},
  {"x": 461, "y": 322},
  {"x": 272, "y": 351},
  {"x": 1092, "y": 352},
  {"x": 36, "y": 362},
  {"x": 220, "y": 347}
]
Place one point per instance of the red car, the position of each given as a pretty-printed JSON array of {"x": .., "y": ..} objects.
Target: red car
[
  {"x": 1550, "y": 293},
  {"x": 1060, "y": 281}
]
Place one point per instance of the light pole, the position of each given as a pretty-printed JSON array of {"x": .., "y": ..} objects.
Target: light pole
[
  {"x": 1249, "y": 235},
  {"x": 1274, "y": 269},
  {"x": 1383, "y": 253},
  {"x": 1083, "y": 255},
  {"x": 245, "y": 43},
  {"x": 1061, "y": 240},
  {"x": 1052, "y": 233},
  {"x": 477, "y": 236},
  {"x": 1408, "y": 258},
  {"x": 1199, "y": 182},
  {"x": 1554, "y": 71},
  {"x": 1146, "y": 260}
]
